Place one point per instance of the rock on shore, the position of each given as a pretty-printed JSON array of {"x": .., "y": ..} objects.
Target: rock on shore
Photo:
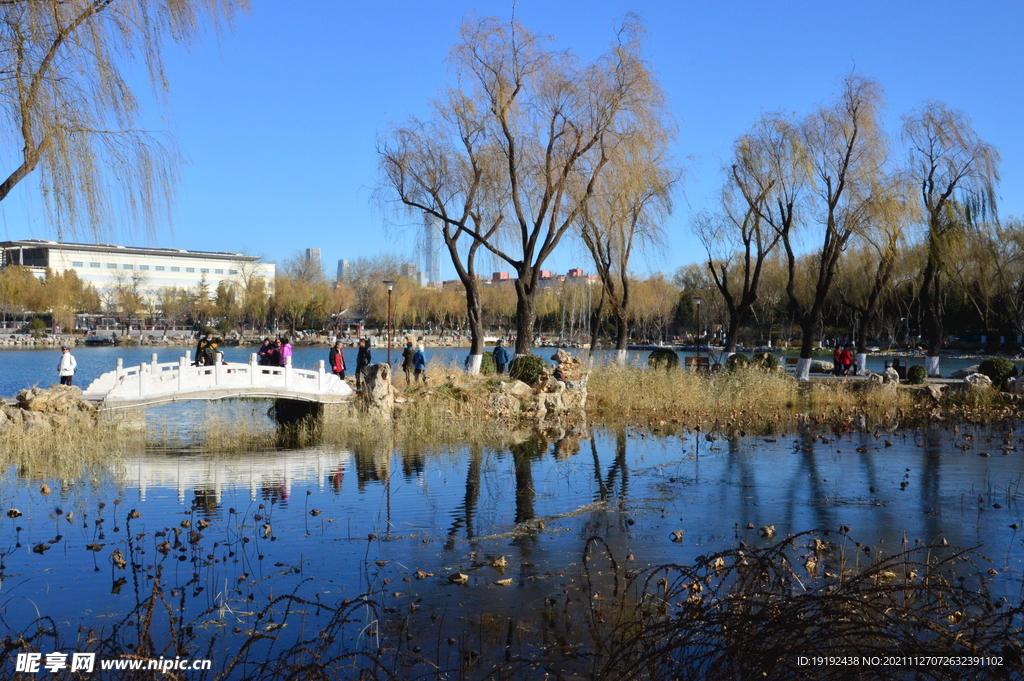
[{"x": 56, "y": 406}]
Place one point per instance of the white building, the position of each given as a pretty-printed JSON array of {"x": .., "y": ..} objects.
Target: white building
[{"x": 103, "y": 265}]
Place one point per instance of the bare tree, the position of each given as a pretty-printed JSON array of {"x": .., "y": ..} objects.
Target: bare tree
[
  {"x": 70, "y": 111},
  {"x": 532, "y": 129},
  {"x": 740, "y": 240},
  {"x": 871, "y": 282},
  {"x": 445, "y": 169},
  {"x": 126, "y": 297},
  {"x": 631, "y": 198},
  {"x": 843, "y": 150},
  {"x": 956, "y": 173}
]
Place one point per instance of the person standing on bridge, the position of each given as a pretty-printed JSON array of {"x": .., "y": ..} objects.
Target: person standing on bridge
[
  {"x": 67, "y": 366},
  {"x": 206, "y": 350},
  {"x": 285, "y": 353},
  {"x": 362, "y": 361},
  {"x": 263, "y": 354},
  {"x": 336, "y": 358}
]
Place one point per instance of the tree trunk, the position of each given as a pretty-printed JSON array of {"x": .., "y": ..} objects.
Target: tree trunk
[
  {"x": 931, "y": 306},
  {"x": 475, "y": 320},
  {"x": 809, "y": 331},
  {"x": 621, "y": 337},
  {"x": 526, "y": 316},
  {"x": 734, "y": 327},
  {"x": 596, "y": 319}
]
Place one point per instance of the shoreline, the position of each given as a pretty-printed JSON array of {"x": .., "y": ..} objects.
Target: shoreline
[{"x": 75, "y": 341}]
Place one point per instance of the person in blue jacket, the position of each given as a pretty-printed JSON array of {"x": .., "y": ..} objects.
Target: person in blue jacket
[
  {"x": 501, "y": 357},
  {"x": 419, "y": 365}
]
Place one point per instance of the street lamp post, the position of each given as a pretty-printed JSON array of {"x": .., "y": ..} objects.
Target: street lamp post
[
  {"x": 391, "y": 286},
  {"x": 697, "y": 301}
]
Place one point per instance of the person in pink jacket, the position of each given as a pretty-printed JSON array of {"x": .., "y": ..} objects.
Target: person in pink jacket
[{"x": 285, "y": 353}]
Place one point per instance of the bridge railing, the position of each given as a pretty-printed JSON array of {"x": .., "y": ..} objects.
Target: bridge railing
[{"x": 161, "y": 379}]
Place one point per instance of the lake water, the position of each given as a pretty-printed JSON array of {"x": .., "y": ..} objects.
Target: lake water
[
  {"x": 330, "y": 523},
  {"x": 27, "y": 368}
]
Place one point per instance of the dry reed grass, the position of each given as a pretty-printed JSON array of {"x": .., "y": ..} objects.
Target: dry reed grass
[
  {"x": 754, "y": 612},
  {"x": 438, "y": 415},
  {"x": 747, "y": 398},
  {"x": 64, "y": 450}
]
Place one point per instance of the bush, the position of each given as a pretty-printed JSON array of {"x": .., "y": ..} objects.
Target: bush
[
  {"x": 37, "y": 327},
  {"x": 999, "y": 369},
  {"x": 526, "y": 368},
  {"x": 916, "y": 375},
  {"x": 663, "y": 358},
  {"x": 736, "y": 361},
  {"x": 765, "y": 361},
  {"x": 487, "y": 365},
  {"x": 452, "y": 392}
]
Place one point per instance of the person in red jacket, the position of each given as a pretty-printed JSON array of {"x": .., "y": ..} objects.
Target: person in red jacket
[
  {"x": 336, "y": 358},
  {"x": 846, "y": 359}
]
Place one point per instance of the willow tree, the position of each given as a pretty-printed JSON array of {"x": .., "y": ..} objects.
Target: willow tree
[
  {"x": 69, "y": 115},
  {"x": 739, "y": 240},
  {"x": 870, "y": 273},
  {"x": 629, "y": 203},
  {"x": 444, "y": 169},
  {"x": 526, "y": 133},
  {"x": 842, "y": 148},
  {"x": 956, "y": 174}
]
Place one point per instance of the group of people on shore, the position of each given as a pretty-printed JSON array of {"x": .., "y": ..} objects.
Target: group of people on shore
[
  {"x": 842, "y": 360},
  {"x": 414, "y": 362}
]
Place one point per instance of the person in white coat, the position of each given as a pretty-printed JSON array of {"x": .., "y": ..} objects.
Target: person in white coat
[{"x": 67, "y": 366}]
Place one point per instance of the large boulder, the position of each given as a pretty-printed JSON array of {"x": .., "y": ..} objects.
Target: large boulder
[
  {"x": 1015, "y": 385},
  {"x": 891, "y": 375},
  {"x": 978, "y": 381},
  {"x": 504, "y": 405},
  {"x": 820, "y": 366},
  {"x": 377, "y": 397},
  {"x": 516, "y": 388},
  {"x": 570, "y": 373},
  {"x": 59, "y": 399},
  {"x": 965, "y": 372}
]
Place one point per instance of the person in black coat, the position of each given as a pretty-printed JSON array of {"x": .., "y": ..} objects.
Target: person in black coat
[
  {"x": 362, "y": 360},
  {"x": 407, "y": 367}
]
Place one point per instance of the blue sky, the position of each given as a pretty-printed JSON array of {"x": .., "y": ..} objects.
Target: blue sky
[{"x": 279, "y": 118}]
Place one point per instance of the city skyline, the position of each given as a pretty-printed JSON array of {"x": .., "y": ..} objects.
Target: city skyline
[{"x": 254, "y": 102}]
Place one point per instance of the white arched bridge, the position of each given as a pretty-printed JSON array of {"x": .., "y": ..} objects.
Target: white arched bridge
[{"x": 154, "y": 383}]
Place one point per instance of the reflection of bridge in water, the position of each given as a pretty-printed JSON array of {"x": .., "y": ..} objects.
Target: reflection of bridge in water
[
  {"x": 154, "y": 383},
  {"x": 265, "y": 475}
]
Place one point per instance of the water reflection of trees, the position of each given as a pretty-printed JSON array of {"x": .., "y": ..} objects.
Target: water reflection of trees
[
  {"x": 373, "y": 462},
  {"x": 465, "y": 513},
  {"x": 617, "y": 470}
]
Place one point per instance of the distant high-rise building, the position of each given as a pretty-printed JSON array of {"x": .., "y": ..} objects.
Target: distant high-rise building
[
  {"x": 409, "y": 270},
  {"x": 343, "y": 270},
  {"x": 430, "y": 248},
  {"x": 312, "y": 256}
]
